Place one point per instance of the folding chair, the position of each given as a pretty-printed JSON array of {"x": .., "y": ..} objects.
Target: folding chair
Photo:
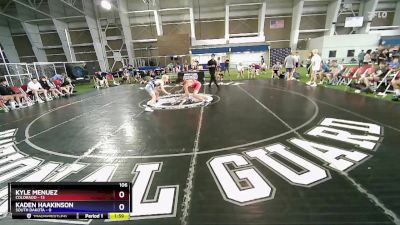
[
  {"x": 357, "y": 75},
  {"x": 18, "y": 90},
  {"x": 388, "y": 81},
  {"x": 30, "y": 95},
  {"x": 347, "y": 75},
  {"x": 384, "y": 80}
]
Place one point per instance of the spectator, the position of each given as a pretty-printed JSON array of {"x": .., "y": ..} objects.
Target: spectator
[
  {"x": 374, "y": 76},
  {"x": 185, "y": 66},
  {"x": 383, "y": 56},
  {"x": 374, "y": 56},
  {"x": 336, "y": 71},
  {"x": 49, "y": 86},
  {"x": 396, "y": 87},
  {"x": 68, "y": 84},
  {"x": 252, "y": 71},
  {"x": 218, "y": 69},
  {"x": 308, "y": 64},
  {"x": 262, "y": 60},
  {"x": 367, "y": 57},
  {"x": 276, "y": 70},
  {"x": 35, "y": 88},
  {"x": 170, "y": 67},
  {"x": 177, "y": 68},
  {"x": 361, "y": 58},
  {"x": 394, "y": 64},
  {"x": 290, "y": 63},
  {"x": 195, "y": 64},
  {"x": 101, "y": 81},
  {"x": 59, "y": 77},
  {"x": 324, "y": 73},
  {"x": 126, "y": 77},
  {"x": 316, "y": 68},
  {"x": 65, "y": 85},
  {"x": 8, "y": 95},
  {"x": 297, "y": 60},
  {"x": 240, "y": 69},
  {"x": 226, "y": 68}
]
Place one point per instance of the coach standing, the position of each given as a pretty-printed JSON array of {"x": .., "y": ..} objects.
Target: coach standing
[{"x": 212, "y": 64}]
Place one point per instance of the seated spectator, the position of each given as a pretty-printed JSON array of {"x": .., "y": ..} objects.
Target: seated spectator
[
  {"x": 395, "y": 64},
  {"x": 65, "y": 83},
  {"x": 374, "y": 76},
  {"x": 59, "y": 77},
  {"x": 177, "y": 68},
  {"x": 68, "y": 84},
  {"x": 8, "y": 95},
  {"x": 383, "y": 56},
  {"x": 336, "y": 72},
  {"x": 170, "y": 67},
  {"x": 3, "y": 104},
  {"x": 126, "y": 77},
  {"x": 46, "y": 84},
  {"x": 185, "y": 66},
  {"x": 396, "y": 87},
  {"x": 100, "y": 80},
  {"x": 35, "y": 88},
  {"x": 325, "y": 73},
  {"x": 276, "y": 68}
]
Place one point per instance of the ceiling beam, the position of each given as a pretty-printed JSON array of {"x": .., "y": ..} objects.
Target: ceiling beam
[
  {"x": 10, "y": 16},
  {"x": 74, "y": 7},
  {"x": 6, "y": 6},
  {"x": 32, "y": 8}
]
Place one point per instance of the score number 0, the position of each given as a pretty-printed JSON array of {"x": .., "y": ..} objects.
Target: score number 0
[{"x": 121, "y": 194}]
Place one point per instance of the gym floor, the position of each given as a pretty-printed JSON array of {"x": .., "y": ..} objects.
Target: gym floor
[{"x": 109, "y": 127}]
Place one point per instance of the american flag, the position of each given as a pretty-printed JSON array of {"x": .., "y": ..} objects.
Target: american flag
[{"x": 277, "y": 24}]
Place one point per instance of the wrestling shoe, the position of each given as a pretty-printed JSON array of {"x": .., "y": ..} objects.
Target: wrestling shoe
[
  {"x": 206, "y": 102},
  {"x": 148, "y": 109}
]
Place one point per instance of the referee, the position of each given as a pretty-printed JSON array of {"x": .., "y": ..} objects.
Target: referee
[{"x": 212, "y": 64}]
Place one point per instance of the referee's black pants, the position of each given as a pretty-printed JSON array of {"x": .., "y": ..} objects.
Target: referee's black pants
[{"x": 212, "y": 79}]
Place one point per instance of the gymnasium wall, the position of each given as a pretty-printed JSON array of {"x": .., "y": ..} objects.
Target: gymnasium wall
[
  {"x": 282, "y": 35},
  {"x": 24, "y": 48},
  {"x": 210, "y": 30},
  {"x": 174, "y": 44},
  {"x": 356, "y": 42},
  {"x": 243, "y": 26},
  {"x": 144, "y": 32},
  {"x": 312, "y": 22}
]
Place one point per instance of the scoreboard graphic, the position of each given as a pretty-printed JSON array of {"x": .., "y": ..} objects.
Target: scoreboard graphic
[{"x": 70, "y": 200}]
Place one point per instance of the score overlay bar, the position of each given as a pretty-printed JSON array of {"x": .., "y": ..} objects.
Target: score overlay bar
[{"x": 92, "y": 200}]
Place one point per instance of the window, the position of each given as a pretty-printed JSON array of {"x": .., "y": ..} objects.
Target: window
[
  {"x": 350, "y": 53},
  {"x": 332, "y": 54}
]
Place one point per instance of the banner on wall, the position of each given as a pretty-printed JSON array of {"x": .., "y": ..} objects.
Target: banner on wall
[{"x": 277, "y": 24}]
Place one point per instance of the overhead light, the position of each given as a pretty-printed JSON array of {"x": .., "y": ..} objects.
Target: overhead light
[{"x": 106, "y": 4}]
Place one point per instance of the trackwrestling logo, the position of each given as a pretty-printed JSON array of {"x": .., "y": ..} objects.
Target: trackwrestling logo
[{"x": 228, "y": 170}]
